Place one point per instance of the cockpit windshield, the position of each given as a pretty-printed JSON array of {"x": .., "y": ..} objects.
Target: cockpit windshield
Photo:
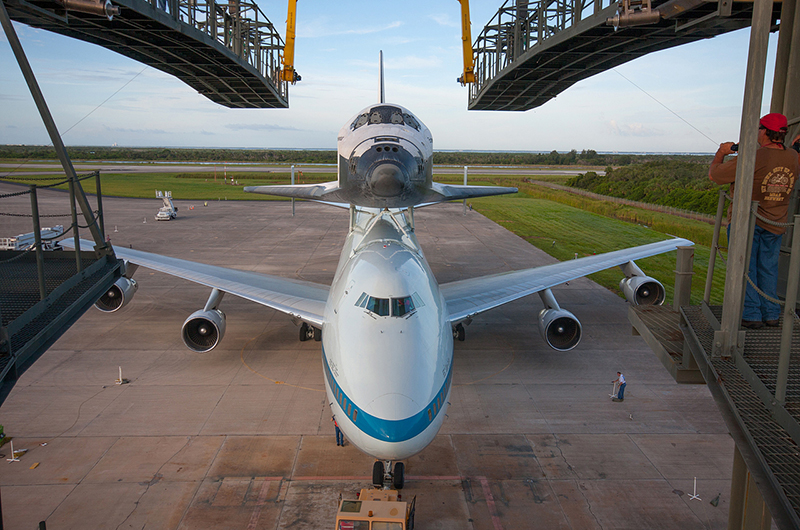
[
  {"x": 384, "y": 307},
  {"x": 385, "y": 114}
]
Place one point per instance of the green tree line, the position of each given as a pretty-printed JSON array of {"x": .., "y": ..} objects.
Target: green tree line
[
  {"x": 673, "y": 183},
  {"x": 586, "y": 157}
]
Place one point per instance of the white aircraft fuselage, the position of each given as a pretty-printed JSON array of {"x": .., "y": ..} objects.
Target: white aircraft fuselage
[{"x": 387, "y": 344}]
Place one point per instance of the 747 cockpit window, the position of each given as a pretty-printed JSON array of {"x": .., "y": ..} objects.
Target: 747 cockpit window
[{"x": 396, "y": 307}]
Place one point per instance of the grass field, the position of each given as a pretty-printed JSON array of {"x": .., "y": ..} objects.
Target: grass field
[
  {"x": 564, "y": 231},
  {"x": 560, "y": 223}
]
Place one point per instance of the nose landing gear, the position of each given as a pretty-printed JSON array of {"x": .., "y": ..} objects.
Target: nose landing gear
[{"x": 384, "y": 477}]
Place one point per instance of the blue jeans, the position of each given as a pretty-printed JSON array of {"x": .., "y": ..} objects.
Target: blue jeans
[
  {"x": 339, "y": 436},
  {"x": 621, "y": 391},
  {"x": 763, "y": 271}
]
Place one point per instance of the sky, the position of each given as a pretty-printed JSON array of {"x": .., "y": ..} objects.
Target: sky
[{"x": 641, "y": 106}]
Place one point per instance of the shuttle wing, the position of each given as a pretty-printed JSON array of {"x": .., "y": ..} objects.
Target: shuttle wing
[
  {"x": 326, "y": 190},
  {"x": 304, "y": 300},
  {"x": 467, "y": 298},
  {"x": 331, "y": 192},
  {"x": 451, "y": 192}
]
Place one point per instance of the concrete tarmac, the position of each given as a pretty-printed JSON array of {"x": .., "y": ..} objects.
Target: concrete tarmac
[{"x": 241, "y": 437}]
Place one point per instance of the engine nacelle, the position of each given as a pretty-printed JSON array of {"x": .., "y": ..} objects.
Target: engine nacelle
[
  {"x": 203, "y": 330},
  {"x": 642, "y": 290},
  {"x": 118, "y": 295},
  {"x": 559, "y": 328}
]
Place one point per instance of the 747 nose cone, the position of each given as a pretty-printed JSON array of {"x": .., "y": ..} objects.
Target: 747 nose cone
[{"x": 387, "y": 180}]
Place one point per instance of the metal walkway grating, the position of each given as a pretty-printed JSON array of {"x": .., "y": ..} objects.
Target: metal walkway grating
[
  {"x": 19, "y": 287},
  {"x": 767, "y": 438},
  {"x": 61, "y": 305}
]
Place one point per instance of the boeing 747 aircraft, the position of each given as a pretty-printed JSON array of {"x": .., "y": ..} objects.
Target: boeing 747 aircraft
[{"x": 386, "y": 326}]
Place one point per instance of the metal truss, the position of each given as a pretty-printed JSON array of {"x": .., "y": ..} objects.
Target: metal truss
[
  {"x": 531, "y": 51},
  {"x": 519, "y": 25},
  {"x": 229, "y": 52}
]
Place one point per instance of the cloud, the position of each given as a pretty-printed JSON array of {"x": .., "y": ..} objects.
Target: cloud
[
  {"x": 443, "y": 19},
  {"x": 321, "y": 27},
  {"x": 408, "y": 62},
  {"x": 632, "y": 129},
  {"x": 259, "y": 127}
]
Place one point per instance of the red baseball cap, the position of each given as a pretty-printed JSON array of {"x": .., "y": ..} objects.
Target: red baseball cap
[{"x": 775, "y": 122}]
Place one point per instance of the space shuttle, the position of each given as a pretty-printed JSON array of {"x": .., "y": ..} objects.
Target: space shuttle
[{"x": 385, "y": 160}]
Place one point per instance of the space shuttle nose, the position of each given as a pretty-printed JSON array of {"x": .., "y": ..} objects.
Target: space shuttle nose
[{"x": 387, "y": 180}]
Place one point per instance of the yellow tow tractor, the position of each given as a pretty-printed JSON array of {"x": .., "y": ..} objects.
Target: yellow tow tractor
[{"x": 376, "y": 509}]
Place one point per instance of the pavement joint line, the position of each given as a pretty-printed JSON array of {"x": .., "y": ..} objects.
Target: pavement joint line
[
  {"x": 200, "y": 482},
  {"x": 260, "y": 503},
  {"x": 487, "y": 494}
]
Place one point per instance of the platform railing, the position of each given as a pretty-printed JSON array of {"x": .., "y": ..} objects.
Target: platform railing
[
  {"x": 241, "y": 27},
  {"x": 520, "y": 25},
  {"x": 775, "y": 401}
]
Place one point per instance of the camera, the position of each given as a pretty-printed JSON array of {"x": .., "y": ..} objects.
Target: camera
[{"x": 735, "y": 147}]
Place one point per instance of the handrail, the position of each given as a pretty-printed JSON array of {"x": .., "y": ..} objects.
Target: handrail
[
  {"x": 518, "y": 26},
  {"x": 239, "y": 26}
]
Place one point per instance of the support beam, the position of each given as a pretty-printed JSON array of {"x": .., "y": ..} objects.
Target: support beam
[
  {"x": 738, "y": 257},
  {"x": 747, "y": 509},
  {"x": 49, "y": 123}
]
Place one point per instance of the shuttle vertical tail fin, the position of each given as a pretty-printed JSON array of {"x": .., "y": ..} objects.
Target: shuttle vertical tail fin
[{"x": 382, "y": 93}]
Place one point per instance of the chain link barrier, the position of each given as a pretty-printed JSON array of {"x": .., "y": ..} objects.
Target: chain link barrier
[{"x": 66, "y": 181}]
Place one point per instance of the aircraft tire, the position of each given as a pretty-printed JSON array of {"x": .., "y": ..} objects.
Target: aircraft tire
[
  {"x": 317, "y": 334},
  {"x": 398, "y": 479},
  {"x": 377, "y": 474},
  {"x": 460, "y": 333},
  {"x": 303, "y": 332}
]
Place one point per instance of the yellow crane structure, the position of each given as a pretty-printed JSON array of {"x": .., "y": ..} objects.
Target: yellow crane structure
[
  {"x": 288, "y": 72},
  {"x": 466, "y": 43}
]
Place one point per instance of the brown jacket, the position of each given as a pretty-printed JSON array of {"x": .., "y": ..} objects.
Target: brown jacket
[{"x": 775, "y": 174}]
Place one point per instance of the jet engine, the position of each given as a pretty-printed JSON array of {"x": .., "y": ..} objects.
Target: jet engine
[
  {"x": 642, "y": 290},
  {"x": 203, "y": 330},
  {"x": 559, "y": 328},
  {"x": 118, "y": 295}
]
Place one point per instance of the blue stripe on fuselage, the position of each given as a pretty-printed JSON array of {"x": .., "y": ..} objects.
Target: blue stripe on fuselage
[{"x": 388, "y": 430}]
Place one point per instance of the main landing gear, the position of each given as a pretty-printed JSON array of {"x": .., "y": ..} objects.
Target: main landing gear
[
  {"x": 459, "y": 333},
  {"x": 309, "y": 332},
  {"x": 383, "y": 477}
]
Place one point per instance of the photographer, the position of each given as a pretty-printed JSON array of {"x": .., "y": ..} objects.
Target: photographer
[{"x": 776, "y": 171}]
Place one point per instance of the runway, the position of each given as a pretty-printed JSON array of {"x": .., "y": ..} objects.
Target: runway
[
  {"x": 241, "y": 437},
  {"x": 19, "y": 170}
]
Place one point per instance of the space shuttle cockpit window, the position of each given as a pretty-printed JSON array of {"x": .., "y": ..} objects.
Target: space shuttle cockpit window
[
  {"x": 411, "y": 121},
  {"x": 362, "y": 119}
]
